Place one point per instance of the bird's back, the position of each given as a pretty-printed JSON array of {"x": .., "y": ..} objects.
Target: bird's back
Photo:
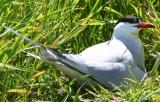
[{"x": 110, "y": 51}]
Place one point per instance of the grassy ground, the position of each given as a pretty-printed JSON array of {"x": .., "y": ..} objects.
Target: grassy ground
[{"x": 71, "y": 26}]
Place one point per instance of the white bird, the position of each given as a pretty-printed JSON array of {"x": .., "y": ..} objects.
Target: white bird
[{"x": 108, "y": 63}]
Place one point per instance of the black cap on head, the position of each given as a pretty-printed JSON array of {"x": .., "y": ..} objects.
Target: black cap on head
[{"x": 129, "y": 19}]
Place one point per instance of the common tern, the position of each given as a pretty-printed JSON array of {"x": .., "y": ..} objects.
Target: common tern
[{"x": 108, "y": 63}]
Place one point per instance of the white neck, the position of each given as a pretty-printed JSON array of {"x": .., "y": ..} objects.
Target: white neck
[
  {"x": 130, "y": 39},
  {"x": 132, "y": 42}
]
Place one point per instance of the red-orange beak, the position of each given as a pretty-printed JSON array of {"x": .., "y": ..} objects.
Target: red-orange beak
[{"x": 144, "y": 25}]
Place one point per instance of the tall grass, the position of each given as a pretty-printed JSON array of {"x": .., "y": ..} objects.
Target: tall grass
[{"x": 71, "y": 26}]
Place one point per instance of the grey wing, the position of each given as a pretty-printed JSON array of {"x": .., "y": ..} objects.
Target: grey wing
[
  {"x": 68, "y": 63},
  {"x": 107, "y": 73},
  {"x": 76, "y": 66}
]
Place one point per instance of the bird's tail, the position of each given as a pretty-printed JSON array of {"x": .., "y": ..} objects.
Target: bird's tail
[
  {"x": 19, "y": 35},
  {"x": 47, "y": 55}
]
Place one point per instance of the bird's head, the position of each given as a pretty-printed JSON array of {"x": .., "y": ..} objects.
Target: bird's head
[{"x": 130, "y": 26}]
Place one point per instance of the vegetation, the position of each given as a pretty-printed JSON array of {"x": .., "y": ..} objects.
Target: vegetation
[{"x": 71, "y": 26}]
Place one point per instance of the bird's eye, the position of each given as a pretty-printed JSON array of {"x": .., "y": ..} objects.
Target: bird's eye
[{"x": 139, "y": 20}]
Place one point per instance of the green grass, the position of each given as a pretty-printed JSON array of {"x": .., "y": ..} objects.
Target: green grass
[{"x": 71, "y": 26}]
